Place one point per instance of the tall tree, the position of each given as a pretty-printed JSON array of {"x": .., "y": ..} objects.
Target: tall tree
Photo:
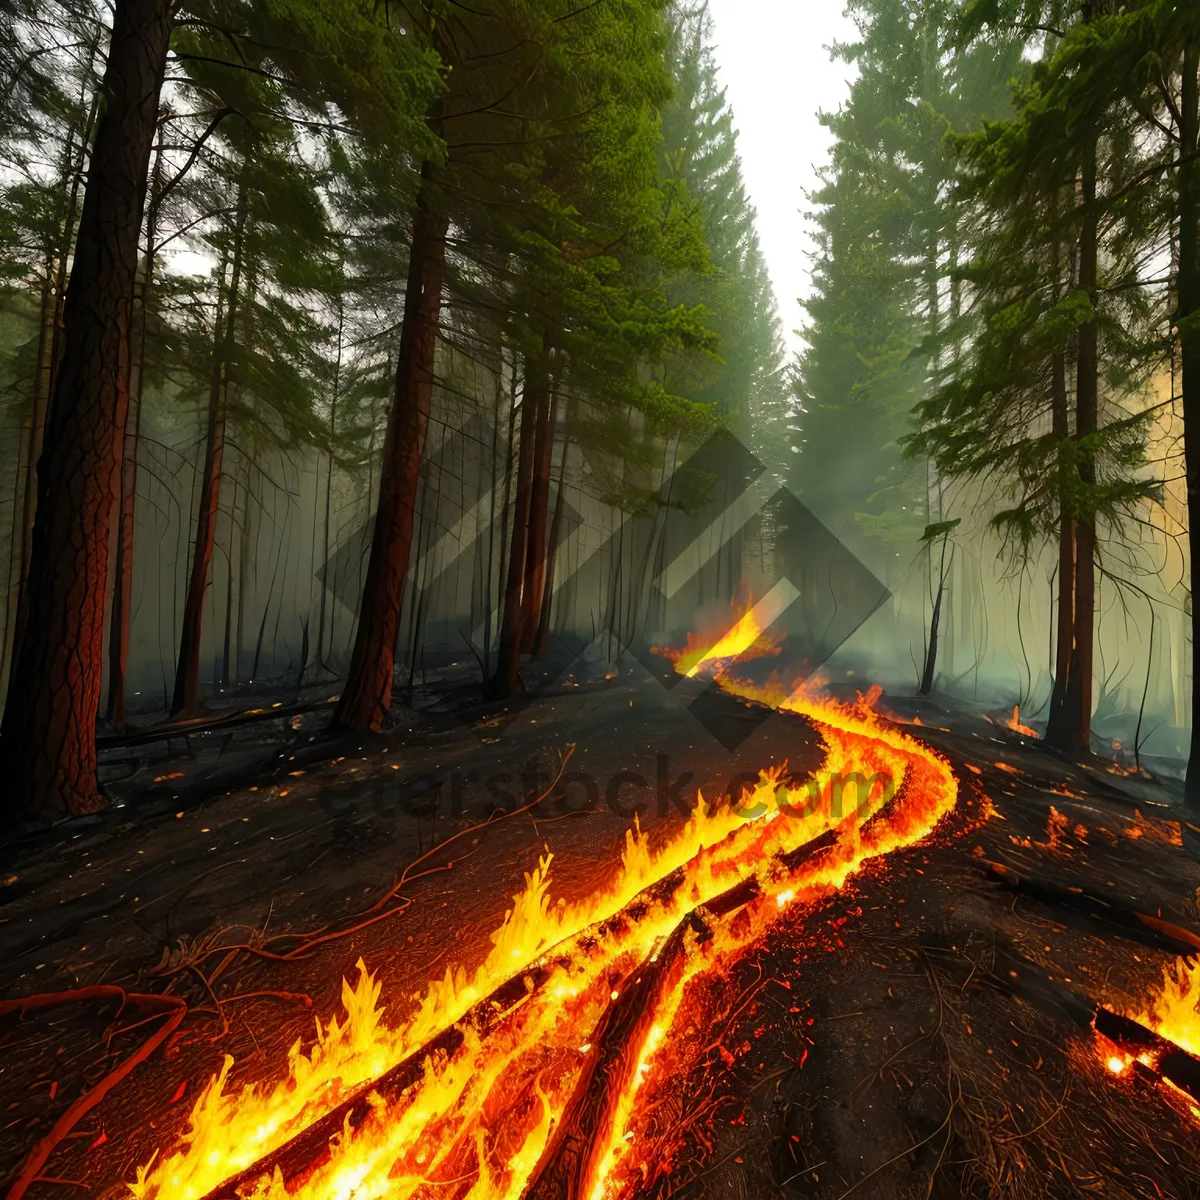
[{"x": 47, "y": 738}]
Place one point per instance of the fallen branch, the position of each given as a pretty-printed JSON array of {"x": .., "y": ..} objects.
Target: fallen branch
[
  {"x": 1137, "y": 926},
  {"x": 209, "y": 723},
  {"x": 570, "y": 1162}
]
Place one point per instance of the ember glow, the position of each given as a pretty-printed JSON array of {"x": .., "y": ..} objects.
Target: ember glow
[
  {"x": 599, "y": 985},
  {"x": 1014, "y": 723}
]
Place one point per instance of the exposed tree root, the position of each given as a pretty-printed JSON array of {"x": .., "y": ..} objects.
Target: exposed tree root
[{"x": 172, "y": 1007}]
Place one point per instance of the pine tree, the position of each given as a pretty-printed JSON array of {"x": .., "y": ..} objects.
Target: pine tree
[
  {"x": 47, "y": 739},
  {"x": 1047, "y": 187}
]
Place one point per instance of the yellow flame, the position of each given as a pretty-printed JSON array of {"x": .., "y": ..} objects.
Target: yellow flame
[{"x": 1175, "y": 1012}]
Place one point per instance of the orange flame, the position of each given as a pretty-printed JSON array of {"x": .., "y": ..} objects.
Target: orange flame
[
  {"x": 1173, "y": 1013},
  {"x": 477, "y": 1124},
  {"x": 711, "y": 653},
  {"x": 1014, "y": 723}
]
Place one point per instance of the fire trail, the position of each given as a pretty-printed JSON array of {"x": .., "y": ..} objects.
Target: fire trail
[{"x": 523, "y": 1076}]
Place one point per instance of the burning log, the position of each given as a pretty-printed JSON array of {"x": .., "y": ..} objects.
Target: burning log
[
  {"x": 625, "y": 1024},
  {"x": 1150, "y": 1053},
  {"x": 570, "y": 1163},
  {"x": 572, "y": 1159},
  {"x": 311, "y": 1148}
]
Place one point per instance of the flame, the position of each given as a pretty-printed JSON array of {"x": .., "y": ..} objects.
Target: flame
[
  {"x": 1014, "y": 722},
  {"x": 711, "y": 653},
  {"x": 1174, "y": 1013},
  {"x": 477, "y": 1123}
]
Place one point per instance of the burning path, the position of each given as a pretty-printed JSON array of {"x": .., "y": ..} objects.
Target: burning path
[{"x": 522, "y": 1078}]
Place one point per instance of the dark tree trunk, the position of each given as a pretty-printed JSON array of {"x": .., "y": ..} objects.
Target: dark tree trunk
[
  {"x": 48, "y": 736},
  {"x": 368, "y": 691},
  {"x": 505, "y": 526},
  {"x": 1058, "y": 727},
  {"x": 187, "y": 673},
  {"x": 541, "y": 643},
  {"x": 1079, "y": 685},
  {"x": 122, "y": 599},
  {"x": 333, "y": 403},
  {"x": 539, "y": 515},
  {"x": 929, "y": 674},
  {"x": 507, "y": 678},
  {"x": 1188, "y": 321}
]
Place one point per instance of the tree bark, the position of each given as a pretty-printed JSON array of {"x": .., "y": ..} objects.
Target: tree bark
[
  {"x": 1079, "y": 686},
  {"x": 48, "y": 735},
  {"x": 1188, "y": 321},
  {"x": 368, "y": 691},
  {"x": 118, "y": 631},
  {"x": 507, "y": 678},
  {"x": 186, "y": 699},
  {"x": 539, "y": 513}
]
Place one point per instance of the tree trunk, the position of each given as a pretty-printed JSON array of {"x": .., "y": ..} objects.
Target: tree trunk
[
  {"x": 1058, "y": 726},
  {"x": 1079, "y": 686},
  {"x": 507, "y": 678},
  {"x": 505, "y": 510},
  {"x": 246, "y": 566},
  {"x": 48, "y": 736},
  {"x": 1188, "y": 322},
  {"x": 541, "y": 643},
  {"x": 930, "y": 672},
  {"x": 122, "y": 600},
  {"x": 187, "y": 673},
  {"x": 539, "y": 513},
  {"x": 368, "y": 691}
]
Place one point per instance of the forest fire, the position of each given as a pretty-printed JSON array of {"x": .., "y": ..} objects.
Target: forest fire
[
  {"x": 382, "y": 386},
  {"x": 520, "y": 1077}
]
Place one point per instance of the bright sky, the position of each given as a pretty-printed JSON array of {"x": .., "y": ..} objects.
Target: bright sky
[{"x": 777, "y": 74}]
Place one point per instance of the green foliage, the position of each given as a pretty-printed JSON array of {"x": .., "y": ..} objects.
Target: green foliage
[{"x": 745, "y": 383}]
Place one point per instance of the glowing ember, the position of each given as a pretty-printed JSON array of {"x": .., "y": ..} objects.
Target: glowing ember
[
  {"x": 486, "y": 1112},
  {"x": 1116, "y": 1063}
]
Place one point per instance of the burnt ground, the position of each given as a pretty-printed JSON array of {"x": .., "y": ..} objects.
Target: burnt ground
[{"x": 924, "y": 1032}]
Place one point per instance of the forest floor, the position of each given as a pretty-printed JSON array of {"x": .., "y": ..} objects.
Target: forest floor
[{"x": 923, "y": 1032}]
